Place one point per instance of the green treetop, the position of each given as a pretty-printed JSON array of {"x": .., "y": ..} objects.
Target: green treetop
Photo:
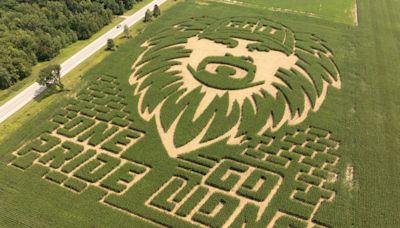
[
  {"x": 50, "y": 77},
  {"x": 156, "y": 11},
  {"x": 148, "y": 16}
]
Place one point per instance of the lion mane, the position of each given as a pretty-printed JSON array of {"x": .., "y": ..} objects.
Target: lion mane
[{"x": 194, "y": 108}]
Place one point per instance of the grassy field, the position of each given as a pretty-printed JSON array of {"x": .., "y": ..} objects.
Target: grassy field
[
  {"x": 342, "y": 11},
  {"x": 357, "y": 124}
]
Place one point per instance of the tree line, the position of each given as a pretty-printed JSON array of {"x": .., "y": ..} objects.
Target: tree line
[{"x": 33, "y": 31}]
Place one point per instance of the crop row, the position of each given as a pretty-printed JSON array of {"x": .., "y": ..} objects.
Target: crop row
[
  {"x": 126, "y": 174},
  {"x": 123, "y": 138}
]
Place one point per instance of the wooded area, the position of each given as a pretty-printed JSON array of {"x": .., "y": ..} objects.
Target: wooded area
[{"x": 32, "y": 31}]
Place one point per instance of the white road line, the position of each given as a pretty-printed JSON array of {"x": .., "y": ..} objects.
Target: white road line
[{"x": 24, "y": 97}]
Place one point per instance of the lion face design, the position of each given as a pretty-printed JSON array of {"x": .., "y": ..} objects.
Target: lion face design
[{"x": 211, "y": 80}]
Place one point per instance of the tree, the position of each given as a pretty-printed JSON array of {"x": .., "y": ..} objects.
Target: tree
[
  {"x": 22, "y": 67},
  {"x": 126, "y": 32},
  {"x": 156, "y": 11},
  {"x": 148, "y": 16},
  {"x": 6, "y": 78},
  {"x": 50, "y": 77},
  {"x": 110, "y": 44},
  {"x": 47, "y": 46},
  {"x": 34, "y": 31}
]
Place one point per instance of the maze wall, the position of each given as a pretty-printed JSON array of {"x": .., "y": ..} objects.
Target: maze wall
[
  {"x": 280, "y": 181},
  {"x": 262, "y": 178},
  {"x": 209, "y": 79},
  {"x": 85, "y": 144},
  {"x": 276, "y": 182}
]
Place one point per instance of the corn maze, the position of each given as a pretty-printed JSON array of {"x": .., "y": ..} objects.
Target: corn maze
[
  {"x": 224, "y": 98},
  {"x": 84, "y": 146},
  {"x": 228, "y": 78},
  {"x": 279, "y": 182}
]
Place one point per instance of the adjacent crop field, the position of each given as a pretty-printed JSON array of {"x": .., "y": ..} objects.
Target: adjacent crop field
[
  {"x": 343, "y": 11},
  {"x": 216, "y": 116}
]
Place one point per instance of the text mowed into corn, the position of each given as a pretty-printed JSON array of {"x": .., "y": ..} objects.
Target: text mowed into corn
[{"x": 213, "y": 134}]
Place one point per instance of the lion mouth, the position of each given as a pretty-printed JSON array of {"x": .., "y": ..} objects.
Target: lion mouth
[{"x": 227, "y": 72}]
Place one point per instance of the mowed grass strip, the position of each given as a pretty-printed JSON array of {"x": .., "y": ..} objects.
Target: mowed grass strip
[{"x": 342, "y": 11}]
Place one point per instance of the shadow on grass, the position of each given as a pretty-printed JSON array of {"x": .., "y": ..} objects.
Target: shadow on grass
[{"x": 48, "y": 92}]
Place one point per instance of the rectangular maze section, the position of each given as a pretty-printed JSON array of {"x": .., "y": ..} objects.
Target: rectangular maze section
[
  {"x": 274, "y": 182},
  {"x": 225, "y": 190},
  {"x": 84, "y": 146}
]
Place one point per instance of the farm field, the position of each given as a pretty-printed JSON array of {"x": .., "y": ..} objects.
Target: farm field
[
  {"x": 343, "y": 11},
  {"x": 221, "y": 115}
]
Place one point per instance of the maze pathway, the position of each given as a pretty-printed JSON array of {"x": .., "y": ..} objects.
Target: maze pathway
[{"x": 178, "y": 156}]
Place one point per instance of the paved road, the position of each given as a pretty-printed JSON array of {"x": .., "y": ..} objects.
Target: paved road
[{"x": 35, "y": 89}]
